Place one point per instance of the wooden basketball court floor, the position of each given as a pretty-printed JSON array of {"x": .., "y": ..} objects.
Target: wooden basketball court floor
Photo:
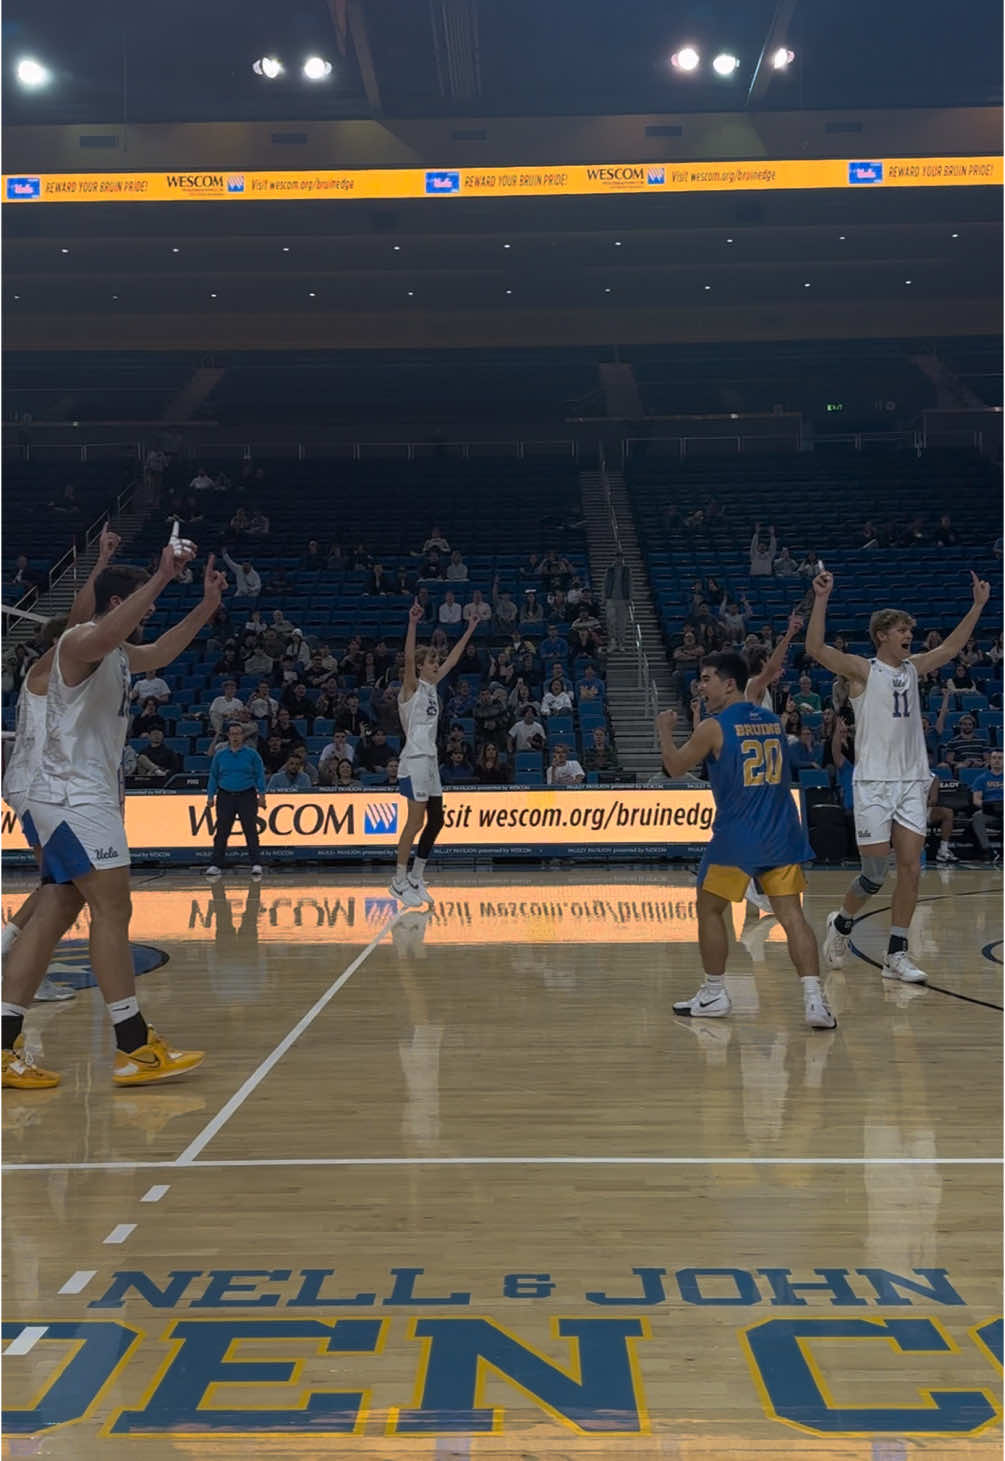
[{"x": 462, "y": 1186}]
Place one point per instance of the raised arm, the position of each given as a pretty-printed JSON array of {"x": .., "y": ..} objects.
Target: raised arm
[
  {"x": 705, "y": 741},
  {"x": 854, "y": 668},
  {"x": 758, "y": 683},
  {"x": 950, "y": 647},
  {"x": 84, "y": 647},
  {"x": 82, "y": 607},
  {"x": 940, "y": 723},
  {"x": 411, "y": 680},
  {"x": 458, "y": 649},
  {"x": 178, "y": 638}
]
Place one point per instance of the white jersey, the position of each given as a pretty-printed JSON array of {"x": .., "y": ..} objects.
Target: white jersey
[
  {"x": 419, "y": 716},
  {"x": 29, "y": 737},
  {"x": 767, "y": 700},
  {"x": 889, "y": 739},
  {"x": 85, "y": 734}
]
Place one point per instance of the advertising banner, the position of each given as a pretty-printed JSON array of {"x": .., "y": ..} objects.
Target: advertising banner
[{"x": 210, "y": 185}]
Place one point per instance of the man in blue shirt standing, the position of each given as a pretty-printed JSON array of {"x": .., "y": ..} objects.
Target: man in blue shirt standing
[
  {"x": 237, "y": 782},
  {"x": 756, "y": 834},
  {"x": 986, "y": 791}
]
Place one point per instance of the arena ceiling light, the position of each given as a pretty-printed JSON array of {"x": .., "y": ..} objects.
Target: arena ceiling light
[
  {"x": 725, "y": 64},
  {"x": 782, "y": 57},
  {"x": 316, "y": 68},
  {"x": 686, "y": 59},
  {"x": 268, "y": 66},
  {"x": 32, "y": 73}
]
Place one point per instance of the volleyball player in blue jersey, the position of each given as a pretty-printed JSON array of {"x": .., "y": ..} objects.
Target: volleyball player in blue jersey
[{"x": 757, "y": 831}]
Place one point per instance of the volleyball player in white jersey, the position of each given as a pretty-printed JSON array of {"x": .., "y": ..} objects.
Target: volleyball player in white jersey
[
  {"x": 74, "y": 805},
  {"x": 892, "y": 775},
  {"x": 418, "y": 765},
  {"x": 28, "y": 741}
]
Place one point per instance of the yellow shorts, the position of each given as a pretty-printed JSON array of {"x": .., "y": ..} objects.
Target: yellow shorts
[{"x": 731, "y": 882}]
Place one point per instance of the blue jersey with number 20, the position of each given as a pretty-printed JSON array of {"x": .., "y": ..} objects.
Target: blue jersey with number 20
[{"x": 757, "y": 825}]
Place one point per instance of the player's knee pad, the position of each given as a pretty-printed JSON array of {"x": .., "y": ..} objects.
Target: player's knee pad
[{"x": 872, "y": 876}]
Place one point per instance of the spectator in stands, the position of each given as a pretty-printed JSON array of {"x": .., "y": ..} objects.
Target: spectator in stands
[
  {"x": 313, "y": 561},
  {"x": 225, "y": 706},
  {"x": 384, "y": 710},
  {"x": 477, "y": 609},
  {"x": 248, "y": 583},
  {"x": 961, "y": 679},
  {"x": 339, "y": 748},
  {"x": 946, "y": 535},
  {"x": 599, "y": 756},
  {"x": 986, "y": 794},
  {"x": 502, "y": 668},
  {"x": 574, "y": 594},
  {"x": 255, "y": 624},
  {"x": 506, "y": 611},
  {"x": 426, "y": 604},
  {"x": 275, "y": 754},
  {"x": 531, "y": 611},
  {"x": 489, "y": 770},
  {"x": 584, "y": 643},
  {"x": 284, "y": 728},
  {"x": 262, "y": 705},
  {"x": 967, "y": 747},
  {"x": 374, "y": 751},
  {"x": 762, "y": 554},
  {"x": 291, "y": 777},
  {"x": 617, "y": 597},
  {"x": 995, "y": 653},
  {"x": 229, "y": 662},
  {"x": 404, "y": 581},
  {"x": 298, "y": 701},
  {"x": 563, "y": 771},
  {"x": 437, "y": 541},
  {"x": 157, "y": 761},
  {"x": 457, "y": 769},
  {"x": 149, "y": 718},
  {"x": 914, "y": 535},
  {"x": 378, "y": 583},
  {"x": 804, "y": 755},
  {"x": 553, "y": 646},
  {"x": 239, "y": 523},
  {"x": 202, "y": 481},
  {"x": 258, "y": 661},
  {"x": 461, "y": 702},
  {"x": 971, "y": 654},
  {"x": 457, "y": 569},
  {"x": 808, "y": 567},
  {"x": 490, "y": 716},
  {"x": 519, "y": 698},
  {"x": 806, "y": 697},
  {"x": 785, "y": 565},
  {"x": 432, "y": 565},
  {"x": 23, "y": 580},
  {"x": 686, "y": 657},
  {"x": 259, "y": 526},
  {"x": 555, "y": 571},
  {"x": 525, "y": 731},
  {"x": 344, "y": 778},
  {"x": 557, "y": 700},
  {"x": 792, "y": 722},
  {"x": 733, "y": 617},
  {"x": 841, "y": 700},
  {"x": 151, "y": 687},
  {"x": 351, "y": 718},
  {"x": 450, "y": 609}
]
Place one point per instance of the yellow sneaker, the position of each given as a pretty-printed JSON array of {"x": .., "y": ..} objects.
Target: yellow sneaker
[
  {"x": 20, "y": 1073},
  {"x": 153, "y": 1062}
]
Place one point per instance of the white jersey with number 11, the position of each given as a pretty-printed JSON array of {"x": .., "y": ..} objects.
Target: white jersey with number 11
[{"x": 889, "y": 738}]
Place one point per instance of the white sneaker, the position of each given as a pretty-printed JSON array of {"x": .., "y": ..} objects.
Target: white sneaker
[
  {"x": 418, "y": 887},
  {"x": 256, "y": 869},
  {"x": 50, "y": 990},
  {"x": 818, "y": 1011},
  {"x": 902, "y": 966},
  {"x": 945, "y": 854},
  {"x": 835, "y": 943},
  {"x": 214, "y": 872},
  {"x": 708, "y": 1003},
  {"x": 404, "y": 892},
  {"x": 761, "y": 901}
]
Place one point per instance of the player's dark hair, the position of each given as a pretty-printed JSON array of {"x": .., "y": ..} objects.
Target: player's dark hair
[
  {"x": 728, "y": 666},
  {"x": 50, "y": 631},
  {"x": 117, "y": 582}
]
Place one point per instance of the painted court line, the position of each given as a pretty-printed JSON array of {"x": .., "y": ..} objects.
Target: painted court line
[
  {"x": 120, "y": 1233},
  {"x": 254, "y": 1162},
  {"x": 78, "y": 1281},
  {"x": 27, "y": 1339},
  {"x": 154, "y": 1194},
  {"x": 254, "y": 1080}
]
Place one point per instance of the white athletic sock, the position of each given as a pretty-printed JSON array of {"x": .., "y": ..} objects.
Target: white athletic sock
[
  {"x": 402, "y": 872},
  {"x": 811, "y": 984},
  {"x": 717, "y": 981},
  {"x": 123, "y": 1009},
  {"x": 943, "y": 844},
  {"x": 418, "y": 868},
  {"x": 8, "y": 1010},
  {"x": 11, "y": 933}
]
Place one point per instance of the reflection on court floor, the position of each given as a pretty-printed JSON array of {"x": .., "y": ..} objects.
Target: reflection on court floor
[{"x": 459, "y": 1185}]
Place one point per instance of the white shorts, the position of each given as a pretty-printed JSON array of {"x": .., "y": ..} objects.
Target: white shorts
[
  {"x": 419, "y": 778},
  {"x": 879, "y": 804},
  {"x": 76, "y": 840}
]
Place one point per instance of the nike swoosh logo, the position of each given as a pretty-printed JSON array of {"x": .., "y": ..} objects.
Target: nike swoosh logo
[{"x": 703, "y": 1004}]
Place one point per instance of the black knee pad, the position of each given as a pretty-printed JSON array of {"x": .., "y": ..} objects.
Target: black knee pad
[{"x": 433, "y": 827}]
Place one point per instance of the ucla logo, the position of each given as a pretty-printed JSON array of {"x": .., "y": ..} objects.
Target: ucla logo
[
  {"x": 380, "y": 819},
  {"x": 235, "y": 183},
  {"x": 443, "y": 182},
  {"x": 865, "y": 172},
  {"x": 656, "y": 176}
]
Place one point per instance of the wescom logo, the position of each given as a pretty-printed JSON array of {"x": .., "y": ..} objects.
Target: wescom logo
[{"x": 380, "y": 819}]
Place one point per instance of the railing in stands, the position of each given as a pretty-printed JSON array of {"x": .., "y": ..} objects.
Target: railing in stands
[
  {"x": 643, "y": 674},
  {"x": 356, "y": 451}
]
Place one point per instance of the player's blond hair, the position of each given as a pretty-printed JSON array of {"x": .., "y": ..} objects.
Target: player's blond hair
[
  {"x": 424, "y": 652},
  {"x": 886, "y": 619}
]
